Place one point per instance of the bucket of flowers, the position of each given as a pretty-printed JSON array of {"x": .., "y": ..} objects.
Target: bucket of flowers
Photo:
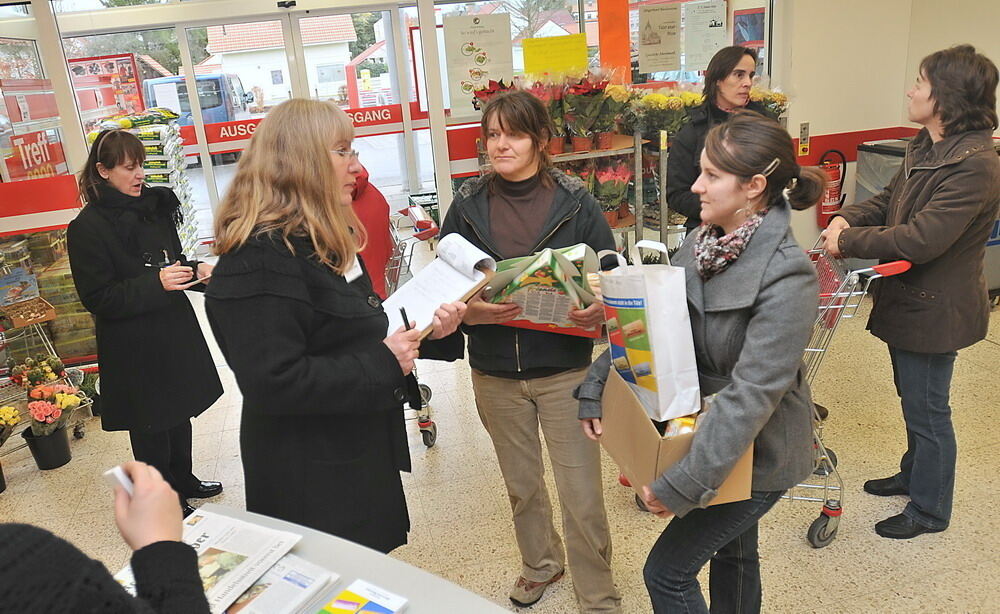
[{"x": 50, "y": 407}]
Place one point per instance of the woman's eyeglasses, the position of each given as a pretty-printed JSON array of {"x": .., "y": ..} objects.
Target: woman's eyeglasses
[{"x": 350, "y": 154}]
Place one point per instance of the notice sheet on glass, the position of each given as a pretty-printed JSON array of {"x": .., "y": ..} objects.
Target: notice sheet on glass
[
  {"x": 659, "y": 38},
  {"x": 704, "y": 32},
  {"x": 477, "y": 50}
]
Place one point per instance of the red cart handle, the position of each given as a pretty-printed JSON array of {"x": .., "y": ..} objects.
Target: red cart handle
[{"x": 895, "y": 267}]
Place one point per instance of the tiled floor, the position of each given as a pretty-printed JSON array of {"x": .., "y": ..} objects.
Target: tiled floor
[{"x": 462, "y": 528}]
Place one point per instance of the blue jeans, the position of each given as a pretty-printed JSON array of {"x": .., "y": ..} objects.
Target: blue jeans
[
  {"x": 725, "y": 534},
  {"x": 927, "y": 469}
]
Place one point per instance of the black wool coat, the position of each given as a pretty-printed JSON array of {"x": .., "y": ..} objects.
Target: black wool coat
[
  {"x": 684, "y": 161},
  {"x": 156, "y": 369},
  {"x": 322, "y": 435}
]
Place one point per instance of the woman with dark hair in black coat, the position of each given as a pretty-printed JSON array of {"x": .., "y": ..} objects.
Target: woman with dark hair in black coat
[
  {"x": 727, "y": 88},
  {"x": 156, "y": 370}
]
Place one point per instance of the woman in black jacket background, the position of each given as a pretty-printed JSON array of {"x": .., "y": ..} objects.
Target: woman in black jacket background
[
  {"x": 728, "y": 79},
  {"x": 156, "y": 369}
]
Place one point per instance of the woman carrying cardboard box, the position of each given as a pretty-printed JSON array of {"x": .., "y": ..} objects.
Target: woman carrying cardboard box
[{"x": 752, "y": 296}]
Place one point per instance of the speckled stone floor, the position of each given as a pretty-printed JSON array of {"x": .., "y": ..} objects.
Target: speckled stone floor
[{"x": 461, "y": 523}]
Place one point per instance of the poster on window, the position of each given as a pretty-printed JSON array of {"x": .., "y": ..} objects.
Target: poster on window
[
  {"x": 659, "y": 38},
  {"x": 477, "y": 50},
  {"x": 704, "y": 32}
]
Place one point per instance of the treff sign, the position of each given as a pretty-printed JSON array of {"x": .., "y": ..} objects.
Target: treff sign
[{"x": 34, "y": 157}]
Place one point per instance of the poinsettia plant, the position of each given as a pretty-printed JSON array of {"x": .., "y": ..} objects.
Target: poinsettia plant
[
  {"x": 550, "y": 93},
  {"x": 582, "y": 104},
  {"x": 494, "y": 88},
  {"x": 612, "y": 184},
  {"x": 50, "y": 406}
]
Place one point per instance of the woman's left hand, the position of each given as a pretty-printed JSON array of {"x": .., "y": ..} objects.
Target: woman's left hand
[
  {"x": 591, "y": 317},
  {"x": 447, "y": 318},
  {"x": 653, "y": 504},
  {"x": 204, "y": 270}
]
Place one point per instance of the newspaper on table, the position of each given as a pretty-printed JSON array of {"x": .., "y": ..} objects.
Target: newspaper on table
[
  {"x": 286, "y": 588},
  {"x": 232, "y": 555}
]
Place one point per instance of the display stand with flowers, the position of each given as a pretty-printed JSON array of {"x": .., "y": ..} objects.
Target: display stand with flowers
[{"x": 48, "y": 404}]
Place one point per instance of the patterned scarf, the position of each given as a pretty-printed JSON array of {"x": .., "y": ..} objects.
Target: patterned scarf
[{"x": 714, "y": 251}]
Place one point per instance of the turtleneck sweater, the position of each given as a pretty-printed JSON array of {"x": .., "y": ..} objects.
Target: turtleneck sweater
[{"x": 518, "y": 211}]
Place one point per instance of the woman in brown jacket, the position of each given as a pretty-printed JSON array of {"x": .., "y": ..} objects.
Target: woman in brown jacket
[{"x": 937, "y": 213}]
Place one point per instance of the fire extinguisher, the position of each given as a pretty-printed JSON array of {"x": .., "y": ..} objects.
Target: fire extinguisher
[{"x": 834, "y": 164}]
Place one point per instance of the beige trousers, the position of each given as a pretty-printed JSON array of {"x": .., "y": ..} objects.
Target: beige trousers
[{"x": 512, "y": 411}]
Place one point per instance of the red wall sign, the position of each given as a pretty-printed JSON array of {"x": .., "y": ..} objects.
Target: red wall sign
[
  {"x": 243, "y": 129},
  {"x": 34, "y": 157}
]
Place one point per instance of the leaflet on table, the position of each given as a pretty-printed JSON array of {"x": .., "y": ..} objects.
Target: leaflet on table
[
  {"x": 285, "y": 589},
  {"x": 232, "y": 555},
  {"x": 363, "y": 597},
  {"x": 458, "y": 273},
  {"x": 547, "y": 286}
]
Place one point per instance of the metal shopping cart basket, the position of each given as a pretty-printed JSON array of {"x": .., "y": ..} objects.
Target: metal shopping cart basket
[
  {"x": 397, "y": 272},
  {"x": 841, "y": 292}
]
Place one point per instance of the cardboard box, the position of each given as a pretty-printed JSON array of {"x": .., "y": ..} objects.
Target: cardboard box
[{"x": 643, "y": 454}]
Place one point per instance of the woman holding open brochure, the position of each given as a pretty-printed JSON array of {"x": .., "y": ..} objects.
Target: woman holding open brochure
[
  {"x": 524, "y": 379},
  {"x": 752, "y": 297},
  {"x": 322, "y": 436}
]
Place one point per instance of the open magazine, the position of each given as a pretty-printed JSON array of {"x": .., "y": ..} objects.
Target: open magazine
[
  {"x": 232, "y": 555},
  {"x": 286, "y": 588},
  {"x": 458, "y": 273},
  {"x": 547, "y": 286}
]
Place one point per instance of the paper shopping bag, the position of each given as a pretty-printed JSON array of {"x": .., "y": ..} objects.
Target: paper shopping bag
[{"x": 649, "y": 330}]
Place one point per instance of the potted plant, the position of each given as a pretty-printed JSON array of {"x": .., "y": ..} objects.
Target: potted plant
[
  {"x": 50, "y": 407},
  {"x": 36, "y": 371},
  {"x": 616, "y": 99},
  {"x": 9, "y": 417},
  {"x": 582, "y": 104},
  {"x": 551, "y": 95}
]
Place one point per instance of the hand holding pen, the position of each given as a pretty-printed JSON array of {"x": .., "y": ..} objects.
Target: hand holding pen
[{"x": 404, "y": 344}]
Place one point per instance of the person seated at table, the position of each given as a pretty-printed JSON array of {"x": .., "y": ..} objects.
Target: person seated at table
[{"x": 40, "y": 572}]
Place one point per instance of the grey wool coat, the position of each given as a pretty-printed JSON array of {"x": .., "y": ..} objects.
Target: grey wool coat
[{"x": 751, "y": 324}]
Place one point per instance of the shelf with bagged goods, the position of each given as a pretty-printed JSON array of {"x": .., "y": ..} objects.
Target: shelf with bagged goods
[{"x": 165, "y": 163}]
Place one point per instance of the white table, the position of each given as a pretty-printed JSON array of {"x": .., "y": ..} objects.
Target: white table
[{"x": 425, "y": 592}]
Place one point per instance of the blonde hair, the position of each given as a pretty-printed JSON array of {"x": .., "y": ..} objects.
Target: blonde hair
[{"x": 285, "y": 182}]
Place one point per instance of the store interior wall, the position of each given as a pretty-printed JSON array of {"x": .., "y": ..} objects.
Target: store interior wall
[
  {"x": 847, "y": 65},
  {"x": 843, "y": 65},
  {"x": 934, "y": 27}
]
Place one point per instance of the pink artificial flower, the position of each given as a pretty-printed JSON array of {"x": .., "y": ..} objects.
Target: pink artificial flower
[{"x": 56, "y": 413}]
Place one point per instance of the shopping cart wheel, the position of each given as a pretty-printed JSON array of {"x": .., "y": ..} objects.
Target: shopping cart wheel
[
  {"x": 425, "y": 393},
  {"x": 822, "y": 531},
  {"x": 429, "y": 434},
  {"x": 79, "y": 431}
]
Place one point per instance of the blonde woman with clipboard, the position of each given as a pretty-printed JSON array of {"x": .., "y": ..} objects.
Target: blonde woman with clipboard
[{"x": 322, "y": 435}]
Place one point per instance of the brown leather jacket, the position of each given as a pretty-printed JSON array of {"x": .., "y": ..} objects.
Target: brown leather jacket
[{"x": 937, "y": 213}]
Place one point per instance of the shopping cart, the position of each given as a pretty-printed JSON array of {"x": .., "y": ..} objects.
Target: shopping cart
[
  {"x": 841, "y": 292},
  {"x": 397, "y": 272}
]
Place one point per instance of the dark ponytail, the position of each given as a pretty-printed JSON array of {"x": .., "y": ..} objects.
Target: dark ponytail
[{"x": 750, "y": 144}]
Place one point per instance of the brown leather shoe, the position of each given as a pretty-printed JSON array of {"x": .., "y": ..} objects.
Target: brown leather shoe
[{"x": 527, "y": 593}]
